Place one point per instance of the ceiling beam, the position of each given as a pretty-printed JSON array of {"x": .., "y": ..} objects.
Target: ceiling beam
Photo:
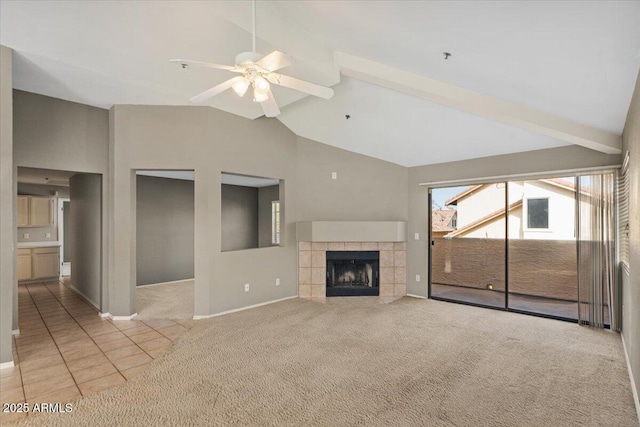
[{"x": 478, "y": 104}]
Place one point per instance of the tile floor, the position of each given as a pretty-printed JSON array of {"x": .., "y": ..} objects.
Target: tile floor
[{"x": 66, "y": 351}]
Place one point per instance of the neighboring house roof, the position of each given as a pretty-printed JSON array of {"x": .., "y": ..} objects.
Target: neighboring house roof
[
  {"x": 440, "y": 220},
  {"x": 454, "y": 200},
  {"x": 557, "y": 182},
  {"x": 485, "y": 219}
]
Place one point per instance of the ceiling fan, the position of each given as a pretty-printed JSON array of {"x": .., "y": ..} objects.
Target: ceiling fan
[{"x": 257, "y": 71}]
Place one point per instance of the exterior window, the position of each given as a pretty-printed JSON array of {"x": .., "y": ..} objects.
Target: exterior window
[
  {"x": 454, "y": 222},
  {"x": 538, "y": 213},
  {"x": 275, "y": 222}
]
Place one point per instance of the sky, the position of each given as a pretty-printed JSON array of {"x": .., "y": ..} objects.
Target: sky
[{"x": 439, "y": 195}]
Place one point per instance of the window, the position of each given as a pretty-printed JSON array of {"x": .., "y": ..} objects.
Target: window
[
  {"x": 623, "y": 212},
  {"x": 454, "y": 222},
  {"x": 538, "y": 213},
  {"x": 275, "y": 222}
]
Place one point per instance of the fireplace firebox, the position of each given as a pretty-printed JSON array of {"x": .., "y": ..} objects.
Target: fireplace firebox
[{"x": 353, "y": 273}]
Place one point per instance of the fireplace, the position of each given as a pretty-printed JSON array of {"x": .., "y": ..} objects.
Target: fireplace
[{"x": 353, "y": 273}]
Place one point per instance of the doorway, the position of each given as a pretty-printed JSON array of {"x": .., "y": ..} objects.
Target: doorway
[
  {"x": 508, "y": 245},
  {"x": 64, "y": 235},
  {"x": 165, "y": 244}
]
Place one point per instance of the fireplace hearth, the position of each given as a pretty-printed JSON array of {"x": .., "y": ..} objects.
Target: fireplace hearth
[{"x": 353, "y": 273}]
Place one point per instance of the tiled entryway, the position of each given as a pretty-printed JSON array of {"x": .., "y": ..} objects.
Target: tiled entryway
[{"x": 66, "y": 351}]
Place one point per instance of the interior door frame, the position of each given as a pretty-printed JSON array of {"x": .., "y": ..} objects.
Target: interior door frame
[{"x": 64, "y": 266}]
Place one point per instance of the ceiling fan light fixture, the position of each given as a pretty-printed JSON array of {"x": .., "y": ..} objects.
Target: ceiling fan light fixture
[
  {"x": 261, "y": 85},
  {"x": 240, "y": 87},
  {"x": 259, "y": 96}
]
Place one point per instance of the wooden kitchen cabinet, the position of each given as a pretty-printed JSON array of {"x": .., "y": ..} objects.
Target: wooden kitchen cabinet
[
  {"x": 23, "y": 211},
  {"x": 38, "y": 263},
  {"x": 35, "y": 211},
  {"x": 24, "y": 264}
]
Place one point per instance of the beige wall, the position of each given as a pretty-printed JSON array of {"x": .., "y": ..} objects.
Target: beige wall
[
  {"x": 533, "y": 162},
  {"x": 164, "y": 232},
  {"x": 8, "y": 189},
  {"x": 631, "y": 283},
  {"x": 239, "y": 217},
  {"x": 367, "y": 189},
  {"x": 209, "y": 142},
  {"x": 50, "y": 133},
  {"x": 85, "y": 235}
]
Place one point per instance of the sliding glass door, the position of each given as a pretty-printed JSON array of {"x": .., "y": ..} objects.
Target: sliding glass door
[
  {"x": 508, "y": 245},
  {"x": 542, "y": 248},
  {"x": 468, "y": 244}
]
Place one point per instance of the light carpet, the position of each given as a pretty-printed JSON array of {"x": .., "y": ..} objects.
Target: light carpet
[
  {"x": 357, "y": 362},
  {"x": 167, "y": 301}
]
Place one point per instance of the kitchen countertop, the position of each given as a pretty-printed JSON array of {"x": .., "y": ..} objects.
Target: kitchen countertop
[{"x": 22, "y": 245}]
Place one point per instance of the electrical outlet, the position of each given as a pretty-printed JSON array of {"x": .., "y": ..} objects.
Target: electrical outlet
[
  {"x": 26, "y": 236},
  {"x": 246, "y": 287},
  {"x": 416, "y": 236},
  {"x": 417, "y": 277},
  {"x": 47, "y": 235},
  {"x": 278, "y": 281},
  {"x": 334, "y": 175}
]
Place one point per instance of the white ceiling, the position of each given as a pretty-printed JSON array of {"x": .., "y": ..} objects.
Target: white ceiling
[
  {"x": 576, "y": 60},
  {"x": 44, "y": 176}
]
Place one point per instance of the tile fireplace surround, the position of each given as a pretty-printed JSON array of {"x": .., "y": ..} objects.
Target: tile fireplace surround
[{"x": 312, "y": 267}]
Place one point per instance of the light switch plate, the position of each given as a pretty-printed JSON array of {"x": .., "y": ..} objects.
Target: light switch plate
[
  {"x": 417, "y": 277},
  {"x": 334, "y": 175},
  {"x": 416, "y": 236},
  {"x": 278, "y": 281},
  {"x": 47, "y": 235},
  {"x": 26, "y": 235},
  {"x": 246, "y": 287}
]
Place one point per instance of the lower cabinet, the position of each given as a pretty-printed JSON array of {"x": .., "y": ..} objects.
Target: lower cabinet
[
  {"x": 24, "y": 264},
  {"x": 38, "y": 263}
]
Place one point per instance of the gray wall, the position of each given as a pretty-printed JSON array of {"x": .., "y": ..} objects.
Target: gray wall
[
  {"x": 66, "y": 238},
  {"x": 367, "y": 189},
  {"x": 266, "y": 195},
  {"x": 8, "y": 189},
  {"x": 239, "y": 217},
  {"x": 86, "y": 235},
  {"x": 631, "y": 283},
  {"x": 50, "y": 133},
  {"x": 531, "y": 162},
  {"x": 165, "y": 229},
  {"x": 149, "y": 137}
]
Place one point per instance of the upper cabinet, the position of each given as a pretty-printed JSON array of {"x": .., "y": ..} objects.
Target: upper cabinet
[{"x": 35, "y": 211}]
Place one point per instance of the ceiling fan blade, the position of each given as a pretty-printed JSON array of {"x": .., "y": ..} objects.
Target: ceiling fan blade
[
  {"x": 270, "y": 106},
  {"x": 275, "y": 60},
  {"x": 188, "y": 63},
  {"x": 300, "y": 85},
  {"x": 216, "y": 90}
]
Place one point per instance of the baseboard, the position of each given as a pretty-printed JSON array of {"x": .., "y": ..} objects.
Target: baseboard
[
  {"x": 84, "y": 297},
  {"x": 634, "y": 390},
  {"x": 15, "y": 333},
  {"x": 235, "y": 310},
  {"x": 103, "y": 315},
  {"x": 6, "y": 365},
  {"x": 166, "y": 283},
  {"x": 416, "y": 296},
  {"x": 112, "y": 317}
]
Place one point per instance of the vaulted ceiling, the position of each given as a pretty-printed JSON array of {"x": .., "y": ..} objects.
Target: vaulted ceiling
[{"x": 522, "y": 75}]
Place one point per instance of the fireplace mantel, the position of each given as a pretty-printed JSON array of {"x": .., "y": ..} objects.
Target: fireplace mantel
[{"x": 351, "y": 231}]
